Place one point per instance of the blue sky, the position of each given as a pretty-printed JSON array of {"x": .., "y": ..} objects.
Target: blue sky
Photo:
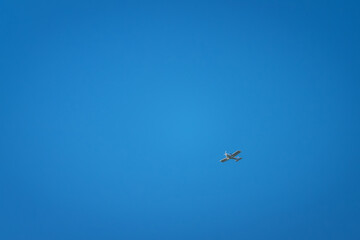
[{"x": 114, "y": 116}]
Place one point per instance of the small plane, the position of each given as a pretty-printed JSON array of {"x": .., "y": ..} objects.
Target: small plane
[{"x": 231, "y": 156}]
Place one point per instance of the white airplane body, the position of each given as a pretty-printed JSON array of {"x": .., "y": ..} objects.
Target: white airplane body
[{"x": 231, "y": 156}]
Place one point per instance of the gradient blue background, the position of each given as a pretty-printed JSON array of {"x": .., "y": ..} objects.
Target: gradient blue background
[{"x": 115, "y": 114}]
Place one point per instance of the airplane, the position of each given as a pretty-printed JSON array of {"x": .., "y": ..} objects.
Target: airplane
[{"x": 231, "y": 156}]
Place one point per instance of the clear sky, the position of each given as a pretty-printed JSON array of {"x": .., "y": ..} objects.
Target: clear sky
[{"x": 114, "y": 116}]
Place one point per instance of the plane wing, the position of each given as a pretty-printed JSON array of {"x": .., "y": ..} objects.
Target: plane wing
[
  {"x": 224, "y": 160},
  {"x": 235, "y": 153}
]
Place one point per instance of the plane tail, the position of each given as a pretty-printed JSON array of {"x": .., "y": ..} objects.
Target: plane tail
[{"x": 238, "y": 159}]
